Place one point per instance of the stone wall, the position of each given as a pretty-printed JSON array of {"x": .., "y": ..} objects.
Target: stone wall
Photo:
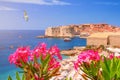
[
  {"x": 63, "y": 31},
  {"x": 66, "y": 31},
  {"x": 96, "y": 41},
  {"x": 55, "y": 31},
  {"x": 48, "y": 32},
  {"x": 114, "y": 40}
]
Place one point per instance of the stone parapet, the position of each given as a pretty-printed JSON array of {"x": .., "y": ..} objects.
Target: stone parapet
[
  {"x": 114, "y": 40},
  {"x": 106, "y": 38},
  {"x": 96, "y": 41}
]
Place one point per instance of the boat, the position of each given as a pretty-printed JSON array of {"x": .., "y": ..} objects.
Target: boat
[
  {"x": 67, "y": 39},
  {"x": 41, "y": 36}
]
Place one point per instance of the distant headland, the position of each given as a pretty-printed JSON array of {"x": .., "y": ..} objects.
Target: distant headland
[{"x": 82, "y": 30}]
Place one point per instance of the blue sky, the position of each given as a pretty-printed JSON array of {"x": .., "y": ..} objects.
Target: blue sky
[{"x": 46, "y": 13}]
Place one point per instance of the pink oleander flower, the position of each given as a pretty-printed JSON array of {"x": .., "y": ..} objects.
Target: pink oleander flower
[
  {"x": 41, "y": 50},
  {"x": 118, "y": 56},
  {"x": 38, "y": 51},
  {"x": 21, "y": 54},
  {"x": 87, "y": 57},
  {"x": 54, "y": 51},
  {"x": 111, "y": 56},
  {"x": 94, "y": 55},
  {"x": 76, "y": 65},
  {"x": 53, "y": 63}
]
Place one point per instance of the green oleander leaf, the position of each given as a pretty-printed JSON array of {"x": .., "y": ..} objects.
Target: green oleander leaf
[
  {"x": 17, "y": 76},
  {"x": 66, "y": 78},
  {"x": 9, "y": 78},
  {"x": 23, "y": 77},
  {"x": 35, "y": 59},
  {"x": 91, "y": 69},
  {"x": 70, "y": 78},
  {"x": 45, "y": 64},
  {"x": 118, "y": 68},
  {"x": 105, "y": 69},
  {"x": 46, "y": 60},
  {"x": 113, "y": 68},
  {"x": 32, "y": 79}
]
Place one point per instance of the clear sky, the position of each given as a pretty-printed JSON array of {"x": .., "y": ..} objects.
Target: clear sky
[{"x": 45, "y": 13}]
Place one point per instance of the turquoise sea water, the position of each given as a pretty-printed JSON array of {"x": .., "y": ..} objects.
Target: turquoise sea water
[{"x": 11, "y": 39}]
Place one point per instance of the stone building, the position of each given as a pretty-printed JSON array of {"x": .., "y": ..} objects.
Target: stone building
[
  {"x": 63, "y": 31},
  {"x": 97, "y": 39},
  {"x": 114, "y": 40},
  {"x": 52, "y": 31},
  {"x": 49, "y": 31},
  {"x": 66, "y": 31},
  {"x": 106, "y": 38}
]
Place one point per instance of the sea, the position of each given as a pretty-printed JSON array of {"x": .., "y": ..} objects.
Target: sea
[{"x": 10, "y": 40}]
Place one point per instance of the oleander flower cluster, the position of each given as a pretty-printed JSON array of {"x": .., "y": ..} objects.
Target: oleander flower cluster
[
  {"x": 40, "y": 63},
  {"x": 87, "y": 57},
  {"x": 21, "y": 54},
  {"x": 96, "y": 67}
]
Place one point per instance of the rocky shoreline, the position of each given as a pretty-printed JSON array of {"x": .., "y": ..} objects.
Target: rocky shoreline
[
  {"x": 43, "y": 36},
  {"x": 72, "y": 52}
]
